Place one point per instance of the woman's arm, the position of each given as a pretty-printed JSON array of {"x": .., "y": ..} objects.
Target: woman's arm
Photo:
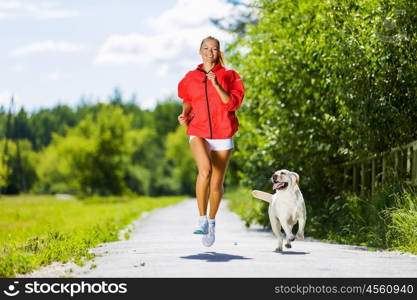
[
  {"x": 222, "y": 93},
  {"x": 232, "y": 99},
  {"x": 183, "y": 117},
  {"x": 186, "y": 108}
]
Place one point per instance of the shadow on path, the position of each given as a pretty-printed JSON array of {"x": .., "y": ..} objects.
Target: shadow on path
[
  {"x": 215, "y": 257},
  {"x": 292, "y": 252}
]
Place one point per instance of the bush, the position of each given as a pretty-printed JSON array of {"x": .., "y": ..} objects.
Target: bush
[{"x": 326, "y": 82}]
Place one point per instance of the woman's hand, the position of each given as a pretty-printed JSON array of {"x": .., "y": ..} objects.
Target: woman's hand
[
  {"x": 222, "y": 93},
  {"x": 183, "y": 119},
  {"x": 212, "y": 77}
]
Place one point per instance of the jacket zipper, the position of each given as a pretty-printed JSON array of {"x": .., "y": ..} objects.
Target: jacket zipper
[{"x": 207, "y": 101}]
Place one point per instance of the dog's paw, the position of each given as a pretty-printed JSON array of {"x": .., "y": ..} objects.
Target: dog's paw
[
  {"x": 279, "y": 249},
  {"x": 291, "y": 238},
  {"x": 262, "y": 196},
  {"x": 287, "y": 245},
  {"x": 300, "y": 236}
]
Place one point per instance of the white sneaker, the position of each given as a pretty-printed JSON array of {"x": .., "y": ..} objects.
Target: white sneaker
[
  {"x": 209, "y": 238},
  {"x": 202, "y": 227}
]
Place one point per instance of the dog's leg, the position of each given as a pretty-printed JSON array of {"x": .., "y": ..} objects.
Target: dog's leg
[
  {"x": 289, "y": 237},
  {"x": 301, "y": 225},
  {"x": 276, "y": 228},
  {"x": 262, "y": 196}
]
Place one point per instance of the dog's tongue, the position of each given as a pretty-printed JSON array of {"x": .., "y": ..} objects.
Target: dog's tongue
[{"x": 277, "y": 185}]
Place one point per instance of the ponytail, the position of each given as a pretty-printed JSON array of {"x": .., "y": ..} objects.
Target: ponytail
[{"x": 221, "y": 59}]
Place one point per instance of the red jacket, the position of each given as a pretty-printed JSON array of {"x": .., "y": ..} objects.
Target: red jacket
[{"x": 210, "y": 117}]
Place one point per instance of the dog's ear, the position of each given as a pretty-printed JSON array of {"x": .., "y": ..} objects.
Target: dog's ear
[{"x": 296, "y": 177}]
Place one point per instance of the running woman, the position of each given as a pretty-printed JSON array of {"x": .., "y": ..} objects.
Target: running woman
[{"x": 211, "y": 94}]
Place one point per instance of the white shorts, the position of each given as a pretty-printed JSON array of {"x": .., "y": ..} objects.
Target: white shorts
[{"x": 217, "y": 144}]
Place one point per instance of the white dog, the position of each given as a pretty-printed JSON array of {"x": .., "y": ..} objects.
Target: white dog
[{"x": 286, "y": 206}]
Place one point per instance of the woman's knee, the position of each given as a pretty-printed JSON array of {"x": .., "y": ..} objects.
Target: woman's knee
[{"x": 204, "y": 173}]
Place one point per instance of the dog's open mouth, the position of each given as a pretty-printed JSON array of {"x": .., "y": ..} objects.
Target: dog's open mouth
[{"x": 279, "y": 185}]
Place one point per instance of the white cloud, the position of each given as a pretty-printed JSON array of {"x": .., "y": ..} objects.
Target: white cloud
[
  {"x": 10, "y": 5},
  {"x": 41, "y": 10},
  {"x": 175, "y": 35},
  {"x": 53, "y": 76},
  {"x": 190, "y": 13},
  {"x": 136, "y": 48},
  {"x": 162, "y": 71},
  {"x": 19, "y": 68},
  {"x": 165, "y": 92},
  {"x": 47, "y": 46},
  {"x": 150, "y": 103},
  {"x": 103, "y": 100},
  {"x": 5, "y": 97}
]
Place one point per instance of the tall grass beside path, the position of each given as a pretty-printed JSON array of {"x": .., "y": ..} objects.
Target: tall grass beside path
[
  {"x": 37, "y": 230},
  {"x": 250, "y": 210},
  {"x": 402, "y": 228}
]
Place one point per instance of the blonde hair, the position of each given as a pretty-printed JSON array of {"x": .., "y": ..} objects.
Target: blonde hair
[{"x": 221, "y": 58}]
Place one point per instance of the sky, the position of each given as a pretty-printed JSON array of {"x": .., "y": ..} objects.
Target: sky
[{"x": 59, "y": 51}]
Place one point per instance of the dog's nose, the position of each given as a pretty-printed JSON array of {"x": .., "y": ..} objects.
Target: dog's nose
[{"x": 274, "y": 177}]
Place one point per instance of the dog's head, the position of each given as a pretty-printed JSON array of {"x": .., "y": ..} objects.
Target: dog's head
[{"x": 283, "y": 179}]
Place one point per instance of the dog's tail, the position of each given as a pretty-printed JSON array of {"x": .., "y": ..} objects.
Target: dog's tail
[{"x": 262, "y": 196}]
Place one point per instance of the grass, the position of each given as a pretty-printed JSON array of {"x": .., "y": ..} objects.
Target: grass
[
  {"x": 250, "y": 210},
  {"x": 37, "y": 230},
  {"x": 402, "y": 228}
]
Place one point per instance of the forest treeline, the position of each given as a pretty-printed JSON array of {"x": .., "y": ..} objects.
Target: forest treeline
[{"x": 112, "y": 148}]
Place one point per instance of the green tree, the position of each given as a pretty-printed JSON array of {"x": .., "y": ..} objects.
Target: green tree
[
  {"x": 47, "y": 121},
  {"x": 144, "y": 157},
  {"x": 17, "y": 168},
  {"x": 179, "y": 156},
  {"x": 3, "y": 174},
  {"x": 165, "y": 116},
  {"x": 325, "y": 82},
  {"x": 93, "y": 157}
]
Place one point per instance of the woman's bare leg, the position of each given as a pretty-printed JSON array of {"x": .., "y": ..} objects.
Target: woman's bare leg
[
  {"x": 202, "y": 159},
  {"x": 219, "y": 163}
]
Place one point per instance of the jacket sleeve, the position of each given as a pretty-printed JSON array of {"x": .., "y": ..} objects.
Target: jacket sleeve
[
  {"x": 183, "y": 90},
  {"x": 236, "y": 91}
]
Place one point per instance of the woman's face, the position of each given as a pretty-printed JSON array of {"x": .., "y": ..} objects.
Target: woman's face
[{"x": 210, "y": 51}]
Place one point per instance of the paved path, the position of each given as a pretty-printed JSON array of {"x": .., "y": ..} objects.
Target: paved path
[{"x": 162, "y": 245}]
